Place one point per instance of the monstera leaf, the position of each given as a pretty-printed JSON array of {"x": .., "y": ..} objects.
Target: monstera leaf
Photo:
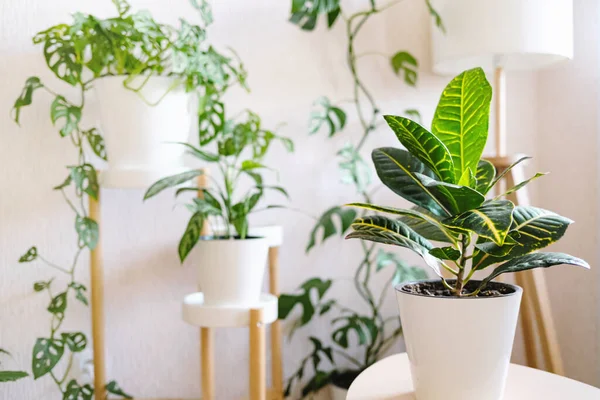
[
  {"x": 365, "y": 329},
  {"x": 308, "y": 290},
  {"x": 404, "y": 62},
  {"x": 306, "y": 12},
  {"x": 397, "y": 170},
  {"x": 402, "y": 271},
  {"x": 535, "y": 260},
  {"x": 491, "y": 221},
  {"x": 46, "y": 354},
  {"x": 31, "y": 84},
  {"x": 532, "y": 229},
  {"x": 424, "y": 145},
  {"x": 346, "y": 217},
  {"x": 455, "y": 198},
  {"x": 326, "y": 114},
  {"x": 388, "y": 231},
  {"x": 419, "y": 220},
  {"x": 461, "y": 119}
]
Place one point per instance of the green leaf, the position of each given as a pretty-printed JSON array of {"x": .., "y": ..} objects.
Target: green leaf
[
  {"x": 326, "y": 114},
  {"x": 46, "y": 354},
  {"x": 365, "y": 329},
  {"x": 521, "y": 185},
  {"x": 171, "y": 181},
  {"x": 354, "y": 168},
  {"x": 113, "y": 388},
  {"x": 387, "y": 231},
  {"x": 79, "y": 292},
  {"x": 491, "y": 221},
  {"x": 211, "y": 117},
  {"x": 325, "y": 307},
  {"x": 30, "y": 255},
  {"x": 317, "y": 382},
  {"x": 205, "y": 206},
  {"x": 535, "y": 260},
  {"x": 304, "y": 300},
  {"x": 86, "y": 180},
  {"x": 275, "y": 188},
  {"x": 205, "y": 9},
  {"x": 436, "y": 16},
  {"x": 424, "y": 145},
  {"x": 58, "y": 304},
  {"x": 484, "y": 176},
  {"x": 248, "y": 165},
  {"x": 42, "y": 285},
  {"x": 403, "y": 62},
  {"x": 87, "y": 230},
  {"x": 305, "y": 13},
  {"x": 461, "y": 118},
  {"x": 62, "y": 109},
  {"x": 65, "y": 183},
  {"x": 396, "y": 169},
  {"x": 455, "y": 198},
  {"x": 26, "y": 97},
  {"x": 60, "y": 53},
  {"x": 504, "y": 172},
  {"x": 420, "y": 219},
  {"x": 12, "y": 376},
  {"x": 76, "y": 341},
  {"x": 191, "y": 235},
  {"x": 96, "y": 142},
  {"x": 200, "y": 154},
  {"x": 75, "y": 392},
  {"x": 532, "y": 229},
  {"x": 445, "y": 253},
  {"x": 346, "y": 217}
]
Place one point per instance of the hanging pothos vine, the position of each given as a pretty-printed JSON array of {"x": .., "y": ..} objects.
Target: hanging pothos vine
[
  {"x": 375, "y": 332},
  {"x": 90, "y": 48}
]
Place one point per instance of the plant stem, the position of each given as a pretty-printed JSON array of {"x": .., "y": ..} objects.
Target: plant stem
[{"x": 464, "y": 240}]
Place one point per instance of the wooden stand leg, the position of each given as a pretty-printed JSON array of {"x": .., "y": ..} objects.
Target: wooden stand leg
[
  {"x": 258, "y": 378},
  {"x": 97, "y": 306},
  {"x": 276, "y": 340},
  {"x": 207, "y": 363}
]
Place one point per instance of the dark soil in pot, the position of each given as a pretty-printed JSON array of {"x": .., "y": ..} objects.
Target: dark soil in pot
[
  {"x": 437, "y": 289},
  {"x": 344, "y": 379}
]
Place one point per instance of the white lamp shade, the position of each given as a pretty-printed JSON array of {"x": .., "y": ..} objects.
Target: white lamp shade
[{"x": 513, "y": 34}]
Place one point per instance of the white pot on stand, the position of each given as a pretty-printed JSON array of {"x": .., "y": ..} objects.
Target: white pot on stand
[
  {"x": 459, "y": 348},
  {"x": 231, "y": 271},
  {"x": 139, "y": 137}
]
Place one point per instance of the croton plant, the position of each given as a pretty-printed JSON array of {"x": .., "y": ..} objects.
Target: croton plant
[{"x": 441, "y": 172}]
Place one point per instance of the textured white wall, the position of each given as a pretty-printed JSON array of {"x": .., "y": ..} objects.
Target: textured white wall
[{"x": 150, "y": 351}]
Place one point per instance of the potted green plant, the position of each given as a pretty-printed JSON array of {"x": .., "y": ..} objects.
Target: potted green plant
[
  {"x": 232, "y": 263},
  {"x": 150, "y": 79},
  {"x": 459, "y": 332}
]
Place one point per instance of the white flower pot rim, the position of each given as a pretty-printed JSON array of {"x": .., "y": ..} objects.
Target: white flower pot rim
[
  {"x": 223, "y": 238},
  {"x": 516, "y": 290}
]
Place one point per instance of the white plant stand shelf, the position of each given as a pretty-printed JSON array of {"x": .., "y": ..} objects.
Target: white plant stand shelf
[{"x": 254, "y": 316}]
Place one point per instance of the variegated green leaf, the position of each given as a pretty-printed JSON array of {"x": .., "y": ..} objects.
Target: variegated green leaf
[
  {"x": 397, "y": 168},
  {"x": 455, "y": 198},
  {"x": 461, "y": 118},
  {"x": 424, "y": 145},
  {"x": 436, "y": 231},
  {"x": 492, "y": 220},
  {"x": 445, "y": 253},
  {"x": 535, "y": 260},
  {"x": 532, "y": 229},
  {"x": 521, "y": 185},
  {"x": 430, "y": 228},
  {"x": 486, "y": 172},
  {"x": 388, "y": 231}
]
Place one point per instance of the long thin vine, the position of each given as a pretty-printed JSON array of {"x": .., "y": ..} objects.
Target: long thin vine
[{"x": 375, "y": 333}]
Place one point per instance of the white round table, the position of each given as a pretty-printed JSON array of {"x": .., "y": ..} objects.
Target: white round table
[{"x": 389, "y": 379}]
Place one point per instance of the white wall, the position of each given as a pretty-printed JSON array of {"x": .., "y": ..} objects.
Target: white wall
[{"x": 150, "y": 351}]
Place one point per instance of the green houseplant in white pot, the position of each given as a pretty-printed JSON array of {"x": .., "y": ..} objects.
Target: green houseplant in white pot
[
  {"x": 232, "y": 263},
  {"x": 150, "y": 80},
  {"x": 460, "y": 327}
]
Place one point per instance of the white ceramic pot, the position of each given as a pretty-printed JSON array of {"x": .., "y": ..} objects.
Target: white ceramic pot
[
  {"x": 139, "y": 137},
  {"x": 231, "y": 271},
  {"x": 459, "y": 348},
  {"x": 337, "y": 393}
]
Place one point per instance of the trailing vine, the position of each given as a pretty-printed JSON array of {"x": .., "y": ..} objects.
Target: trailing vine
[
  {"x": 131, "y": 45},
  {"x": 375, "y": 332}
]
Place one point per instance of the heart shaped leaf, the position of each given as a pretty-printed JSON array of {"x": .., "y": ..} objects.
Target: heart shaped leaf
[{"x": 46, "y": 354}]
